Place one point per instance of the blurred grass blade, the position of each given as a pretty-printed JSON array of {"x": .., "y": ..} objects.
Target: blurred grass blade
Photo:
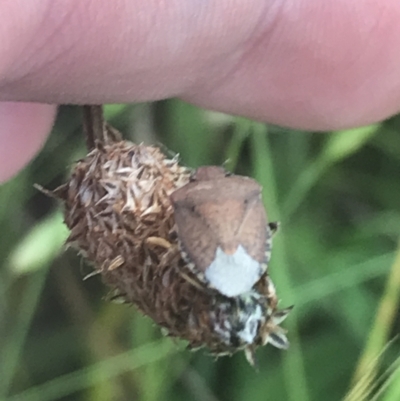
[
  {"x": 40, "y": 246},
  {"x": 383, "y": 323},
  {"x": 339, "y": 146},
  {"x": 341, "y": 280},
  {"x": 343, "y": 144},
  {"x": 84, "y": 378},
  {"x": 391, "y": 388},
  {"x": 14, "y": 342},
  {"x": 241, "y": 131},
  {"x": 189, "y": 132},
  {"x": 113, "y": 110},
  {"x": 294, "y": 371},
  {"x": 366, "y": 386}
]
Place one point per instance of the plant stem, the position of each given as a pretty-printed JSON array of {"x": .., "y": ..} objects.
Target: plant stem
[{"x": 93, "y": 125}]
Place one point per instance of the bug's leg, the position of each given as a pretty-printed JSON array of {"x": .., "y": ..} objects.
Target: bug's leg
[{"x": 274, "y": 226}]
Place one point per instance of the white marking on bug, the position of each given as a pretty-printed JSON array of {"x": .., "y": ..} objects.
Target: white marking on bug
[
  {"x": 233, "y": 275},
  {"x": 249, "y": 332}
]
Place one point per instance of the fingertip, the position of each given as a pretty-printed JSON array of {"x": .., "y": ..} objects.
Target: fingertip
[{"x": 23, "y": 130}]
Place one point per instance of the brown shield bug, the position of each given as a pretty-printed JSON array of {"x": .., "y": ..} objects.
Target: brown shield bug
[{"x": 223, "y": 230}]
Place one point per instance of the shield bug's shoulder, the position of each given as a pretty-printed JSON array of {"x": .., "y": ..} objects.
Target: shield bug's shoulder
[{"x": 222, "y": 227}]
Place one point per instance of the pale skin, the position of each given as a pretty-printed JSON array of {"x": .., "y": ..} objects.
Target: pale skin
[{"x": 308, "y": 64}]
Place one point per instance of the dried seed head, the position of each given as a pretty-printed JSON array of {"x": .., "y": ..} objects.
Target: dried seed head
[{"x": 118, "y": 208}]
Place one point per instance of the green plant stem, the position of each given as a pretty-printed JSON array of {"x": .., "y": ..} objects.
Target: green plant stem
[
  {"x": 366, "y": 369},
  {"x": 15, "y": 342},
  {"x": 97, "y": 373},
  {"x": 294, "y": 371}
]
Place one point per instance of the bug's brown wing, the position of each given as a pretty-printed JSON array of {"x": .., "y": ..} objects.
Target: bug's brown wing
[
  {"x": 252, "y": 233},
  {"x": 199, "y": 242},
  {"x": 238, "y": 222},
  {"x": 225, "y": 212}
]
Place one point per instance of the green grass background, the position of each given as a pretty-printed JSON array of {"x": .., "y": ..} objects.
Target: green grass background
[{"x": 337, "y": 196}]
